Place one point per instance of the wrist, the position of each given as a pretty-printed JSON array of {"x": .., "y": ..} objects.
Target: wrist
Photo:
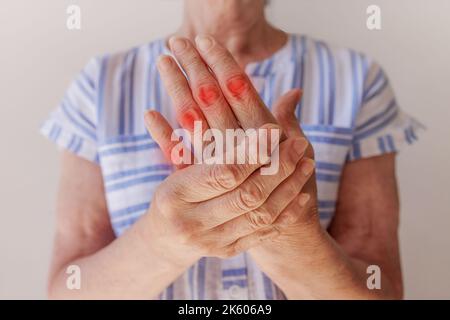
[
  {"x": 285, "y": 255},
  {"x": 302, "y": 237},
  {"x": 156, "y": 248}
]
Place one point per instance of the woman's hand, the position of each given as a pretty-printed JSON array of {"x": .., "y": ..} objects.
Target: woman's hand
[
  {"x": 221, "y": 210},
  {"x": 220, "y": 95}
]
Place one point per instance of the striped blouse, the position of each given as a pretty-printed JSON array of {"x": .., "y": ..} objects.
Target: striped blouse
[{"x": 348, "y": 112}]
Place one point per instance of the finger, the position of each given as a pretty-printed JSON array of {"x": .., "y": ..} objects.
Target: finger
[
  {"x": 187, "y": 112},
  {"x": 284, "y": 112},
  {"x": 249, "y": 241},
  {"x": 204, "y": 86},
  {"x": 203, "y": 182},
  {"x": 237, "y": 88},
  {"x": 300, "y": 210},
  {"x": 186, "y": 109},
  {"x": 267, "y": 214},
  {"x": 256, "y": 189},
  {"x": 161, "y": 132}
]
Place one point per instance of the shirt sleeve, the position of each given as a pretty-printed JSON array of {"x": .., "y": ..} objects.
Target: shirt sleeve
[
  {"x": 380, "y": 126},
  {"x": 73, "y": 124}
]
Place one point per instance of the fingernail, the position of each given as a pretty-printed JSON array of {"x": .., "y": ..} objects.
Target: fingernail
[
  {"x": 299, "y": 146},
  {"x": 307, "y": 167},
  {"x": 204, "y": 43},
  {"x": 164, "y": 62},
  {"x": 177, "y": 44},
  {"x": 303, "y": 199}
]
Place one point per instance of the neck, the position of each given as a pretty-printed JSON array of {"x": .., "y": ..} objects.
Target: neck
[{"x": 249, "y": 38}]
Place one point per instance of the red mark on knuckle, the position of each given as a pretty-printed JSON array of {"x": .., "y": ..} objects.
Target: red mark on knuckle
[
  {"x": 188, "y": 118},
  {"x": 208, "y": 94},
  {"x": 238, "y": 85}
]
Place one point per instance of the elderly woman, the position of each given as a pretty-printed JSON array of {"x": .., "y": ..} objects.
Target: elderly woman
[{"x": 138, "y": 227}]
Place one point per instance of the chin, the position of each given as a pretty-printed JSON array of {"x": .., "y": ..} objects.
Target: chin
[{"x": 234, "y": 4}]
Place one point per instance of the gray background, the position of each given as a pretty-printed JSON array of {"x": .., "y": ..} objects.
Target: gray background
[{"x": 39, "y": 56}]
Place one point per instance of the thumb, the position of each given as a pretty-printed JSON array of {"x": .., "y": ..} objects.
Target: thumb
[{"x": 284, "y": 112}]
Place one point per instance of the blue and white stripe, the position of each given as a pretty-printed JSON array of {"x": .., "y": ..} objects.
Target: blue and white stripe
[{"x": 348, "y": 112}]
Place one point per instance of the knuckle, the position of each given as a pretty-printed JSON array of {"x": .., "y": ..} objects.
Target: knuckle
[
  {"x": 225, "y": 177},
  {"x": 310, "y": 151},
  {"x": 190, "y": 57},
  {"x": 193, "y": 62},
  {"x": 251, "y": 196},
  {"x": 259, "y": 218},
  {"x": 287, "y": 166},
  {"x": 295, "y": 184},
  {"x": 220, "y": 57},
  {"x": 208, "y": 93},
  {"x": 300, "y": 215},
  {"x": 238, "y": 85},
  {"x": 289, "y": 217}
]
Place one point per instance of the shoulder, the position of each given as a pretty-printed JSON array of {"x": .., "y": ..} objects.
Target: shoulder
[
  {"x": 345, "y": 62},
  {"x": 353, "y": 69}
]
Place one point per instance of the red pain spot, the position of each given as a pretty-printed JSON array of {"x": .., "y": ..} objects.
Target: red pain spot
[
  {"x": 180, "y": 153},
  {"x": 188, "y": 118},
  {"x": 237, "y": 86},
  {"x": 208, "y": 94}
]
